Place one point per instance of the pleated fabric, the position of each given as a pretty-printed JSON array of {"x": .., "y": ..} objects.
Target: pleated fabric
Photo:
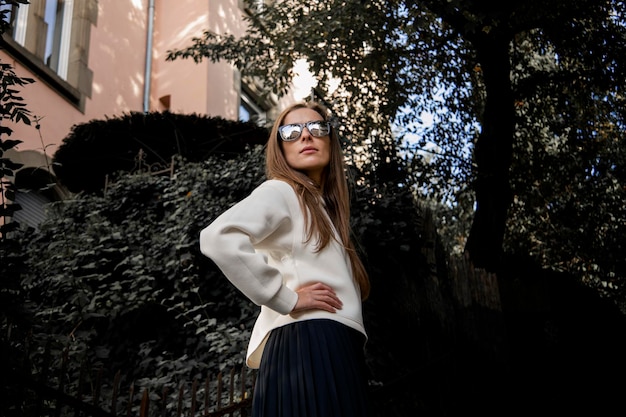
[{"x": 313, "y": 368}]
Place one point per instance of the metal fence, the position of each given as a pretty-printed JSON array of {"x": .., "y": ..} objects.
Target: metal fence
[{"x": 48, "y": 393}]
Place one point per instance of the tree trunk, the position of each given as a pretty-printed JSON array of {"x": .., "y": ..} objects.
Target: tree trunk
[{"x": 493, "y": 154}]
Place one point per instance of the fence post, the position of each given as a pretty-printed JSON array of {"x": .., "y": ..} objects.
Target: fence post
[
  {"x": 206, "y": 394},
  {"x": 219, "y": 391},
  {"x": 116, "y": 387},
  {"x": 194, "y": 389},
  {"x": 231, "y": 387},
  {"x": 131, "y": 393},
  {"x": 181, "y": 391},
  {"x": 145, "y": 404},
  {"x": 164, "y": 401}
]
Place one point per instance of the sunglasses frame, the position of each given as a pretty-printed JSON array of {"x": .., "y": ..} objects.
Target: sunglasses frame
[{"x": 302, "y": 126}]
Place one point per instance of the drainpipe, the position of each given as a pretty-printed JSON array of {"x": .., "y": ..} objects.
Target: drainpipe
[{"x": 148, "y": 74}]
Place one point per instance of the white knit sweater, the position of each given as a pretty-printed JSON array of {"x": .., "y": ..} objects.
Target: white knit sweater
[{"x": 259, "y": 245}]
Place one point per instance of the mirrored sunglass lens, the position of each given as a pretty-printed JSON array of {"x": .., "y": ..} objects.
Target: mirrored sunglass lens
[
  {"x": 290, "y": 132},
  {"x": 319, "y": 128}
]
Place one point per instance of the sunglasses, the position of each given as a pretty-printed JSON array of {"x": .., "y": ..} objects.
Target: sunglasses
[{"x": 317, "y": 128}]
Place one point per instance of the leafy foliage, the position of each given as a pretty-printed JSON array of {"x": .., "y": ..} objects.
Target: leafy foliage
[
  {"x": 118, "y": 278},
  {"x": 568, "y": 209},
  {"x": 526, "y": 100},
  {"x": 99, "y": 148},
  {"x": 13, "y": 109}
]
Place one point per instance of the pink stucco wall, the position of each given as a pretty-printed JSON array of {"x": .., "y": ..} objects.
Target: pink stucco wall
[
  {"x": 206, "y": 87},
  {"x": 117, "y": 56}
]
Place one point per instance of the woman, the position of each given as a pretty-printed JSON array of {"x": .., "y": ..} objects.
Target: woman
[{"x": 287, "y": 247}]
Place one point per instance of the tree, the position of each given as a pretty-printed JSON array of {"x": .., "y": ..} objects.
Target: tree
[
  {"x": 13, "y": 108},
  {"x": 491, "y": 73}
]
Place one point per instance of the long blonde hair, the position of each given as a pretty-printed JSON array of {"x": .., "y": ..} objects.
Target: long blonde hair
[{"x": 333, "y": 189}]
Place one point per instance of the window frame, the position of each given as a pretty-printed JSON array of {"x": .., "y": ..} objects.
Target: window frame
[
  {"x": 257, "y": 113},
  {"x": 73, "y": 78}
]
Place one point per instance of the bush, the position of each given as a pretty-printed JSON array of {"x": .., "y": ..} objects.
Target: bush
[
  {"x": 119, "y": 278},
  {"x": 99, "y": 148}
]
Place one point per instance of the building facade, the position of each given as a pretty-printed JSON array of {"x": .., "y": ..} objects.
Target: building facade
[{"x": 97, "y": 59}]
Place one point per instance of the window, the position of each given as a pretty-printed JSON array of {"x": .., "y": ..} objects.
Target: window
[
  {"x": 33, "y": 210},
  {"x": 58, "y": 17},
  {"x": 34, "y": 192},
  {"x": 249, "y": 111},
  {"x": 7, "y": 14},
  {"x": 43, "y": 27},
  {"x": 51, "y": 37}
]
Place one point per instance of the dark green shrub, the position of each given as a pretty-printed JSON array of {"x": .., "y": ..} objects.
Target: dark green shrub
[
  {"x": 119, "y": 278},
  {"x": 100, "y": 147}
]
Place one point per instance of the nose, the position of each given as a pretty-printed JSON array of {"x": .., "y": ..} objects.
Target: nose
[{"x": 308, "y": 134}]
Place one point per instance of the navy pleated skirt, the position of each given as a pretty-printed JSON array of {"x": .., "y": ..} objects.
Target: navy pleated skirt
[{"x": 313, "y": 368}]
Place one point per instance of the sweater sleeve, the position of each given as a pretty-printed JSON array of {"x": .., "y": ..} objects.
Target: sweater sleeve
[{"x": 229, "y": 241}]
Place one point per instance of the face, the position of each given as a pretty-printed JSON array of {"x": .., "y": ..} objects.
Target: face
[{"x": 308, "y": 154}]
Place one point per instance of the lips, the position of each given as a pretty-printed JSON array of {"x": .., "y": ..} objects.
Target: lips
[{"x": 308, "y": 148}]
